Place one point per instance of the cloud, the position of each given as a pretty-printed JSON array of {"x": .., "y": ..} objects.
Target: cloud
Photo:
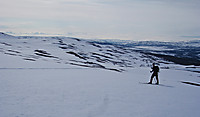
[
  {"x": 195, "y": 37},
  {"x": 110, "y": 18},
  {"x": 3, "y": 27}
]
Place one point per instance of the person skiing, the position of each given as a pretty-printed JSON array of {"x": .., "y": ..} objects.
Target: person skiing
[{"x": 155, "y": 70}]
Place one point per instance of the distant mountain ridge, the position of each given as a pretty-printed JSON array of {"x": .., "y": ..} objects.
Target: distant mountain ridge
[
  {"x": 183, "y": 52},
  {"x": 4, "y": 35}
]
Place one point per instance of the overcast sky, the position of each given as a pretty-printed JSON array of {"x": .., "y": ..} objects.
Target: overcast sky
[{"x": 164, "y": 20}]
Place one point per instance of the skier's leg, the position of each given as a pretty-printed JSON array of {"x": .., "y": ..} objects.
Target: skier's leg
[
  {"x": 157, "y": 79},
  {"x": 151, "y": 78}
]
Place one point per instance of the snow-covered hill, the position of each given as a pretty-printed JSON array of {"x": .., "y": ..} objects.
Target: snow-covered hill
[
  {"x": 73, "y": 51},
  {"x": 184, "y": 53},
  {"x": 70, "y": 77}
]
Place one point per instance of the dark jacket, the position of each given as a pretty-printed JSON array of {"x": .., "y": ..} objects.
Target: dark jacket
[{"x": 155, "y": 69}]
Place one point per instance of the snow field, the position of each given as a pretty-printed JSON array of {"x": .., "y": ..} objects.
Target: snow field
[{"x": 95, "y": 93}]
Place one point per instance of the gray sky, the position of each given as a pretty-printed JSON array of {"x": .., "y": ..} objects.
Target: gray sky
[{"x": 164, "y": 20}]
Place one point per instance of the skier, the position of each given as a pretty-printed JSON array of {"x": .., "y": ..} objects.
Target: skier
[{"x": 155, "y": 70}]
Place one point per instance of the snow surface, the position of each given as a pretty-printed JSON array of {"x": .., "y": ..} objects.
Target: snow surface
[{"x": 50, "y": 87}]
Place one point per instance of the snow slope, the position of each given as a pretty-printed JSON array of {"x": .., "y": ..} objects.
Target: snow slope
[
  {"x": 67, "y": 77},
  {"x": 72, "y": 51}
]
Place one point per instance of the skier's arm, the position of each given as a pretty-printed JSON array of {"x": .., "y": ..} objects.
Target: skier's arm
[{"x": 151, "y": 70}]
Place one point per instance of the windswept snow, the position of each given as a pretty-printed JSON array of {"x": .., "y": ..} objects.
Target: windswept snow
[
  {"x": 69, "y": 77},
  {"x": 94, "y": 92}
]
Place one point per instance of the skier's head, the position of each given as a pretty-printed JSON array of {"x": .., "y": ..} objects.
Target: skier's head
[{"x": 153, "y": 64}]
